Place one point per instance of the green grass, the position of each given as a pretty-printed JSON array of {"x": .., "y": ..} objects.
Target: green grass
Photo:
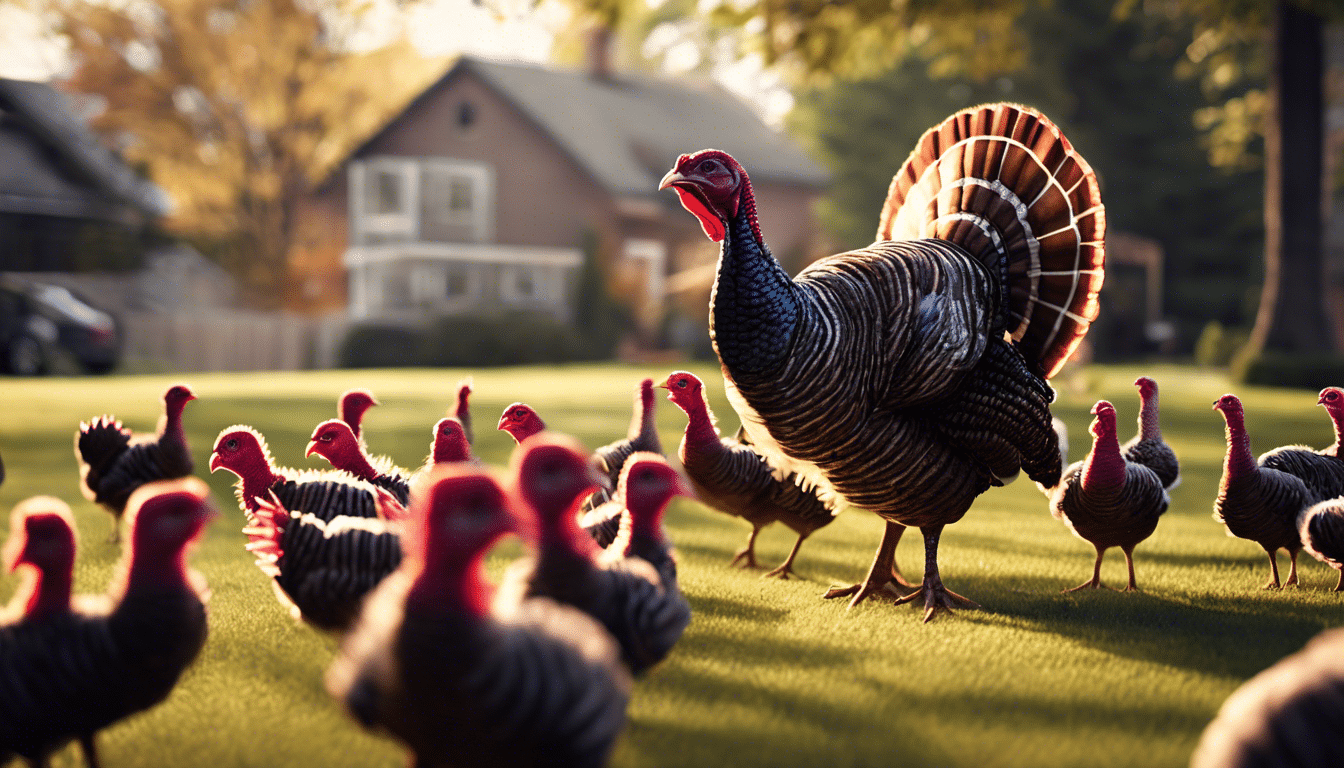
[{"x": 768, "y": 673}]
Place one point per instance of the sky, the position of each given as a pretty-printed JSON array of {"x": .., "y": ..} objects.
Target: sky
[{"x": 508, "y": 29}]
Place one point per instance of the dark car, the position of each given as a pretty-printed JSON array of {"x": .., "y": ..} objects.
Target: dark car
[{"x": 38, "y": 321}]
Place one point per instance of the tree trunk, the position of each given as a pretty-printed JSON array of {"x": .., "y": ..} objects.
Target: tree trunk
[{"x": 1292, "y": 305}]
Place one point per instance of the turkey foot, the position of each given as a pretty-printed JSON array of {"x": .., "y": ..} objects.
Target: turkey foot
[
  {"x": 936, "y": 596},
  {"x": 785, "y": 568},
  {"x": 747, "y": 554},
  {"x": 1095, "y": 581},
  {"x": 882, "y": 576}
]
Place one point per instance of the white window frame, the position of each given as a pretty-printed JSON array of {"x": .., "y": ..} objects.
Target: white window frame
[
  {"x": 481, "y": 220},
  {"x": 406, "y": 222},
  {"x": 429, "y": 285}
]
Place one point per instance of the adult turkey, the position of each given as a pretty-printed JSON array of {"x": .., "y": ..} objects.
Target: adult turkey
[
  {"x": 1147, "y": 447},
  {"x": 1256, "y": 501},
  {"x": 732, "y": 477},
  {"x": 910, "y": 376},
  {"x": 78, "y": 671},
  {"x": 113, "y": 461},
  {"x": 336, "y": 442},
  {"x": 521, "y": 421},
  {"x": 242, "y": 450},
  {"x": 461, "y": 682},
  {"x": 1108, "y": 500}
]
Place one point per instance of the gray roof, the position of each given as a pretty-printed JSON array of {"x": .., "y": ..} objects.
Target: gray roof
[
  {"x": 628, "y": 130},
  {"x": 51, "y": 163}
]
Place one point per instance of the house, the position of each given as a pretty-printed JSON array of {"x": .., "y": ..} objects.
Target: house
[
  {"x": 481, "y": 195},
  {"x": 66, "y": 202}
]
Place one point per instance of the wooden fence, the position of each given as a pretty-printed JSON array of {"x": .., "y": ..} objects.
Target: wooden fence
[{"x": 231, "y": 340}]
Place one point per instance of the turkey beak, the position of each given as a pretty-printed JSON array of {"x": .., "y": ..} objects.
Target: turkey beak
[
  {"x": 673, "y": 177},
  {"x": 312, "y": 448},
  {"x": 216, "y": 461}
]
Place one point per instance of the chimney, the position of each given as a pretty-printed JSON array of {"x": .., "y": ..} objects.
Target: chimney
[{"x": 597, "y": 49}]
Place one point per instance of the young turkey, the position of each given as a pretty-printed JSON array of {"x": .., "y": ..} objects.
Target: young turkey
[
  {"x": 1147, "y": 447},
  {"x": 41, "y": 536},
  {"x": 1288, "y": 716},
  {"x": 334, "y": 441},
  {"x": 322, "y": 569},
  {"x": 1333, "y": 400},
  {"x": 642, "y": 435},
  {"x": 80, "y": 671},
  {"x": 520, "y": 421},
  {"x": 626, "y": 596},
  {"x": 352, "y": 406},
  {"x": 1107, "y": 500},
  {"x": 1321, "y": 529},
  {"x": 733, "y": 478},
  {"x": 113, "y": 461},
  {"x": 451, "y": 444},
  {"x": 1256, "y": 501},
  {"x": 459, "y": 683},
  {"x": 909, "y": 376},
  {"x": 243, "y": 451}
]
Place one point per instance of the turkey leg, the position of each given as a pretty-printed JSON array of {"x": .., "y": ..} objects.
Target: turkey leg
[
  {"x": 882, "y": 576},
  {"x": 1095, "y": 581},
  {"x": 748, "y": 553},
  {"x": 1273, "y": 570},
  {"x": 1129, "y": 561},
  {"x": 936, "y": 596},
  {"x": 786, "y": 567},
  {"x": 1292, "y": 569}
]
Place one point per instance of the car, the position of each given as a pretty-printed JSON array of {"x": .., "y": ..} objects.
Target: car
[{"x": 39, "y": 321}]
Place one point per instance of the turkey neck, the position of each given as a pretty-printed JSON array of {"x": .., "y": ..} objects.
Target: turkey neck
[
  {"x": 257, "y": 479},
  {"x": 456, "y": 585},
  {"x": 1105, "y": 468},
  {"x": 754, "y": 310},
  {"x": 561, "y": 534},
  {"x": 1239, "y": 461},
  {"x": 450, "y": 451},
  {"x": 701, "y": 434},
  {"x": 157, "y": 570},
  {"x": 50, "y": 594},
  {"x": 642, "y": 427},
  {"x": 172, "y": 424},
  {"x": 356, "y": 462},
  {"x": 1337, "y": 419},
  {"x": 1149, "y": 426}
]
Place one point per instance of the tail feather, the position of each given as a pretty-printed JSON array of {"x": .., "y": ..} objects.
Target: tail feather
[{"x": 1001, "y": 181}]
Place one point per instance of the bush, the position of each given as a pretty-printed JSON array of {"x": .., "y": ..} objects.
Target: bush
[
  {"x": 1217, "y": 345},
  {"x": 515, "y": 338},
  {"x": 1280, "y": 369},
  {"x": 379, "y": 346}
]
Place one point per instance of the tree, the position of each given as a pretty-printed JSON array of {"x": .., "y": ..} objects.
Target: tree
[{"x": 236, "y": 109}]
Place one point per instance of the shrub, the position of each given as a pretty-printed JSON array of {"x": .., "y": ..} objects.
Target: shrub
[
  {"x": 514, "y": 338},
  {"x": 1281, "y": 369},
  {"x": 379, "y": 346}
]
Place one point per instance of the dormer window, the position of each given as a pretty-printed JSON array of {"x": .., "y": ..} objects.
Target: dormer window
[{"x": 466, "y": 115}]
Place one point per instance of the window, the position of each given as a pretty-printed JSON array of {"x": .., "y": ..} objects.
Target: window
[
  {"x": 531, "y": 285},
  {"x": 466, "y": 115},
  {"x": 382, "y": 195},
  {"x": 457, "y": 205}
]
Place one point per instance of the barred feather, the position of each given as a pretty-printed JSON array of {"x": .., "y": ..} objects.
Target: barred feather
[
  {"x": 1002, "y": 182},
  {"x": 1288, "y": 716},
  {"x": 1111, "y": 520},
  {"x": 1321, "y": 528},
  {"x": 1323, "y": 475}
]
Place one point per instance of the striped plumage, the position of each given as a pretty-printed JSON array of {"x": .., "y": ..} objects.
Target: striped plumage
[
  {"x": 1321, "y": 528},
  {"x": 322, "y": 569},
  {"x": 79, "y": 671},
  {"x": 626, "y": 595},
  {"x": 1288, "y": 716},
  {"x": 242, "y": 450},
  {"x": 113, "y": 461},
  {"x": 334, "y": 441},
  {"x": 1258, "y": 502},
  {"x": 1147, "y": 446},
  {"x": 1323, "y": 475},
  {"x": 882, "y": 374},
  {"x": 732, "y": 477},
  {"x": 1107, "y": 500},
  {"x": 464, "y": 685}
]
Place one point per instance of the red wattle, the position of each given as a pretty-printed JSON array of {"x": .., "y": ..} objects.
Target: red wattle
[{"x": 709, "y": 221}]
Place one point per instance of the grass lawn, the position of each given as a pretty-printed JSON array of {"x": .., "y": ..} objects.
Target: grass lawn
[{"x": 768, "y": 673}]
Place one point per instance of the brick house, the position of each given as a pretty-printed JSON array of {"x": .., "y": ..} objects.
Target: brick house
[{"x": 483, "y": 192}]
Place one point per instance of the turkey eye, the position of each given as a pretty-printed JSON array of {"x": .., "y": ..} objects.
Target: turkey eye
[
  {"x": 231, "y": 444},
  {"x": 681, "y": 384},
  {"x": 710, "y": 166}
]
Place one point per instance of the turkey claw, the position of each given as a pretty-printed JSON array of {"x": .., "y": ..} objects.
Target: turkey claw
[
  {"x": 937, "y": 598},
  {"x": 863, "y": 591},
  {"x": 1090, "y": 584},
  {"x": 782, "y": 573},
  {"x": 747, "y": 558}
]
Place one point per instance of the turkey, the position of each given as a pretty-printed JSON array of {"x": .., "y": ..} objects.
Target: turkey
[
  {"x": 352, "y": 407},
  {"x": 322, "y": 569},
  {"x": 910, "y": 376},
  {"x": 520, "y": 421},
  {"x": 464, "y": 685},
  {"x": 462, "y": 411},
  {"x": 641, "y": 436},
  {"x": 733, "y": 478},
  {"x": 647, "y": 486},
  {"x": 242, "y": 450},
  {"x": 1288, "y": 716},
  {"x": 42, "y": 536},
  {"x": 451, "y": 444},
  {"x": 1147, "y": 447},
  {"x": 1321, "y": 529},
  {"x": 1333, "y": 400},
  {"x": 334, "y": 441},
  {"x": 1256, "y": 501},
  {"x": 72, "y": 675},
  {"x": 113, "y": 461},
  {"x": 1107, "y": 500},
  {"x": 627, "y": 596}
]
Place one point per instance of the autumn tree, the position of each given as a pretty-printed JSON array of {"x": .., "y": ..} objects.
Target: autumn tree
[{"x": 237, "y": 109}]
